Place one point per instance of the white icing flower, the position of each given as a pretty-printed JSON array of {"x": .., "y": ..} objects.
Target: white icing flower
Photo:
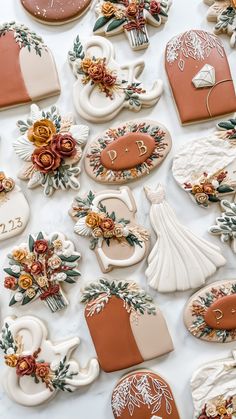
[
  {"x": 10, "y": 351},
  {"x": 54, "y": 262},
  {"x": 18, "y": 296},
  {"x": 126, "y": 232},
  {"x": 15, "y": 269},
  {"x": 60, "y": 276},
  {"x": 215, "y": 183},
  {"x": 54, "y": 365},
  {"x": 211, "y": 410}
]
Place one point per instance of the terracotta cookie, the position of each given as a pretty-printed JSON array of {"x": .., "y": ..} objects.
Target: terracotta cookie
[
  {"x": 223, "y": 12},
  {"x": 210, "y": 314},
  {"x": 105, "y": 87},
  {"x": 143, "y": 394},
  {"x": 197, "y": 64},
  {"x": 108, "y": 218},
  {"x": 213, "y": 389},
  {"x": 51, "y": 147},
  {"x": 132, "y": 18},
  {"x": 37, "y": 269},
  {"x": 29, "y": 72},
  {"x": 112, "y": 304},
  {"x": 225, "y": 226},
  {"x": 14, "y": 209},
  {"x": 36, "y": 368},
  {"x": 55, "y": 12},
  {"x": 127, "y": 151}
]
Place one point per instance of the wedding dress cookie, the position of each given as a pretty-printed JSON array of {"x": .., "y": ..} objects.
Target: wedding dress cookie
[
  {"x": 143, "y": 394},
  {"x": 36, "y": 368},
  {"x": 132, "y": 18},
  {"x": 223, "y": 12},
  {"x": 210, "y": 313},
  {"x": 127, "y": 152},
  {"x": 179, "y": 260},
  {"x": 108, "y": 219},
  {"x": 51, "y": 147},
  {"x": 197, "y": 64},
  {"x": 105, "y": 87},
  {"x": 55, "y": 12},
  {"x": 37, "y": 269},
  {"x": 124, "y": 324},
  {"x": 213, "y": 389},
  {"x": 29, "y": 72},
  {"x": 14, "y": 209}
]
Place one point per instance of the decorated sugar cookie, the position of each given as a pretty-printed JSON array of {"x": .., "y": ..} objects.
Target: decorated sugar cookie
[
  {"x": 179, "y": 260},
  {"x": 36, "y": 368},
  {"x": 127, "y": 152},
  {"x": 197, "y": 64},
  {"x": 225, "y": 226},
  {"x": 51, "y": 146},
  {"x": 143, "y": 394},
  {"x": 223, "y": 12},
  {"x": 213, "y": 391},
  {"x": 14, "y": 209},
  {"x": 55, "y": 12},
  {"x": 29, "y": 72},
  {"x": 210, "y": 314},
  {"x": 105, "y": 87},
  {"x": 131, "y": 17},
  {"x": 37, "y": 269},
  {"x": 107, "y": 218},
  {"x": 112, "y": 304}
]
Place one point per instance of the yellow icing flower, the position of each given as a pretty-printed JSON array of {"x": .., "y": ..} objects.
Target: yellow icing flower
[
  {"x": 92, "y": 219},
  {"x": 19, "y": 254},
  {"x": 108, "y": 9},
  {"x": 11, "y": 360},
  {"x": 25, "y": 281}
]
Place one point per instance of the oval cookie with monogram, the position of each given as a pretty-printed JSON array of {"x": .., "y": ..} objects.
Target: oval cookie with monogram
[
  {"x": 104, "y": 87},
  {"x": 36, "y": 368},
  {"x": 143, "y": 394},
  {"x": 29, "y": 72},
  {"x": 127, "y": 152},
  {"x": 110, "y": 304},
  {"x": 210, "y": 314},
  {"x": 107, "y": 218},
  {"x": 37, "y": 269},
  {"x": 223, "y": 13},
  {"x": 196, "y": 62},
  {"x": 14, "y": 209}
]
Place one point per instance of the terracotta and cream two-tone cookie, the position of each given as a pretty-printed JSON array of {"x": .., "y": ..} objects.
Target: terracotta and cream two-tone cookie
[
  {"x": 108, "y": 219},
  {"x": 210, "y": 314},
  {"x": 124, "y": 324},
  {"x": 55, "y": 12},
  {"x": 29, "y": 72},
  {"x": 197, "y": 64},
  {"x": 223, "y": 13},
  {"x": 36, "y": 368},
  {"x": 143, "y": 394},
  {"x": 127, "y": 151}
]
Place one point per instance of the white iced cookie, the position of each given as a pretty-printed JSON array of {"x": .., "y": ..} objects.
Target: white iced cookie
[
  {"x": 36, "y": 368},
  {"x": 223, "y": 13},
  {"x": 104, "y": 87},
  {"x": 14, "y": 209}
]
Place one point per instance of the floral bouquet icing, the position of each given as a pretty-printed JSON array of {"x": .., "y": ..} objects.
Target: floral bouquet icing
[
  {"x": 37, "y": 268},
  {"x": 6, "y": 185},
  {"x": 219, "y": 408},
  {"x": 51, "y": 146}
]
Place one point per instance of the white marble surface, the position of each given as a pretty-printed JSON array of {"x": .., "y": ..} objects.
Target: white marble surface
[{"x": 51, "y": 214}]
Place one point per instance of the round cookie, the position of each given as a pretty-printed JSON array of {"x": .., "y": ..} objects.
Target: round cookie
[{"x": 55, "y": 12}]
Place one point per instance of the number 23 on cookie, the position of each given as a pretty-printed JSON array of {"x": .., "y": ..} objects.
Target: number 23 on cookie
[{"x": 11, "y": 225}]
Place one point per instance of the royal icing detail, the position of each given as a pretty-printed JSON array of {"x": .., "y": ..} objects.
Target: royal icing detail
[
  {"x": 37, "y": 269},
  {"x": 14, "y": 209},
  {"x": 108, "y": 218},
  {"x": 130, "y": 16},
  {"x": 118, "y": 302},
  {"x": 142, "y": 393},
  {"x": 51, "y": 147},
  {"x": 127, "y": 152},
  {"x": 225, "y": 226},
  {"x": 211, "y": 313},
  {"x": 27, "y": 57},
  {"x": 179, "y": 260},
  {"x": 196, "y": 62},
  {"x": 223, "y": 12},
  {"x": 42, "y": 367},
  {"x": 104, "y": 87}
]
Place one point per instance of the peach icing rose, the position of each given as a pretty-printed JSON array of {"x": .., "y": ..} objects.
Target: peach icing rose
[
  {"x": 10, "y": 282},
  {"x": 19, "y": 254},
  {"x": 96, "y": 72},
  {"x": 132, "y": 10},
  {"x": 41, "y": 132},
  {"x": 64, "y": 145},
  {"x": 106, "y": 224},
  {"x": 25, "y": 365},
  {"x": 8, "y": 184},
  {"x": 45, "y": 160},
  {"x": 41, "y": 246},
  {"x": 42, "y": 369},
  {"x": 25, "y": 281}
]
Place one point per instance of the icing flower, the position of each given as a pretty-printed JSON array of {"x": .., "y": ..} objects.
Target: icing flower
[
  {"x": 36, "y": 268},
  {"x": 10, "y": 282},
  {"x": 30, "y": 292},
  {"x": 118, "y": 230},
  {"x": 86, "y": 63},
  {"x": 97, "y": 232},
  {"x": 8, "y": 184},
  {"x": 108, "y": 9},
  {"x": 25, "y": 281},
  {"x": 155, "y": 7},
  {"x": 42, "y": 281},
  {"x": 54, "y": 262},
  {"x": 19, "y": 254},
  {"x": 45, "y": 160},
  {"x": 197, "y": 189},
  {"x": 11, "y": 360},
  {"x": 202, "y": 198},
  {"x": 64, "y": 145},
  {"x": 106, "y": 224},
  {"x": 41, "y": 132},
  {"x": 108, "y": 234},
  {"x": 132, "y": 10},
  {"x": 211, "y": 410},
  {"x": 208, "y": 188},
  {"x": 25, "y": 365},
  {"x": 57, "y": 244},
  {"x": 41, "y": 246},
  {"x": 109, "y": 80},
  {"x": 96, "y": 72},
  {"x": 2, "y": 176},
  {"x": 42, "y": 369},
  {"x": 92, "y": 219}
]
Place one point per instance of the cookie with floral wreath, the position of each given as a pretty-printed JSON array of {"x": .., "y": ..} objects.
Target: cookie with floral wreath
[
  {"x": 127, "y": 151},
  {"x": 36, "y": 368},
  {"x": 132, "y": 17},
  {"x": 223, "y": 13},
  {"x": 107, "y": 218},
  {"x": 14, "y": 208},
  {"x": 51, "y": 147},
  {"x": 37, "y": 269},
  {"x": 210, "y": 314}
]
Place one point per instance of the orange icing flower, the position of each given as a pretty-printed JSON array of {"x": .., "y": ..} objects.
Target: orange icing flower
[
  {"x": 86, "y": 63},
  {"x": 19, "y": 254},
  {"x": 108, "y": 9},
  {"x": 197, "y": 189},
  {"x": 208, "y": 188},
  {"x": 2, "y": 176},
  {"x": 107, "y": 224},
  {"x": 42, "y": 370},
  {"x": 41, "y": 132},
  {"x": 11, "y": 360},
  {"x": 132, "y": 10},
  {"x": 92, "y": 219},
  {"x": 96, "y": 72},
  {"x": 25, "y": 281}
]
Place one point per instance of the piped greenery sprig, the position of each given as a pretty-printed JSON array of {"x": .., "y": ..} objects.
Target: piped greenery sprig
[{"x": 24, "y": 37}]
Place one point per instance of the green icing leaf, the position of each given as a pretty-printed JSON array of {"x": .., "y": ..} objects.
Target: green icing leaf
[
  {"x": 115, "y": 24},
  {"x": 101, "y": 22}
]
